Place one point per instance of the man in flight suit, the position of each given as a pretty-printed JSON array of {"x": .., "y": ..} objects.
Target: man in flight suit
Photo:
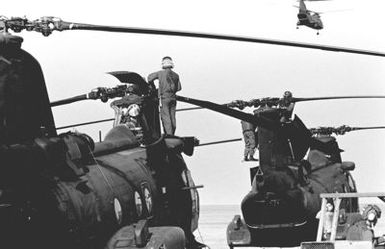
[
  {"x": 248, "y": 131},
  {"x": 169, "y": 84},
  {"x": 364, "y": 229}
]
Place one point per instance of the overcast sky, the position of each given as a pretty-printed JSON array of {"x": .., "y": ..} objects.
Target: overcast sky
[{"x": 74, "y": 62}]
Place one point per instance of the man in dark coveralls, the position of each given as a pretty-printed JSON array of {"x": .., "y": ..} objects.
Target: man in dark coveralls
[
  {"x": 169, "y": 84},
  {"x": 287, "y": 104}
]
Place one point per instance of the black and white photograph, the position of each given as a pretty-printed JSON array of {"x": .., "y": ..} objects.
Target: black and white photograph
[{"x": 192, "y": 124}]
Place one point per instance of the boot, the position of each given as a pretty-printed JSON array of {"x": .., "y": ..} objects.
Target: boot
[{"x": 193, "y": 244}]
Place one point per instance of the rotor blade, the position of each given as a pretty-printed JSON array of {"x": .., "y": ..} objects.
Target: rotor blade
[
  {"x": 274, "y": 101},
  {"x": 333, "y": 11},
  {"x": 314, "y": 12},
  {"x": 342, "y": 130},
  {"x": 81, "y": 26},
  {"x": 221, "y": 142},
  {"x": 69, "y": 100},
  {"x": 112, "y": 119},
  {"x": 85, "y": 123},
  {"x": 367, "y": 128},
  {"x": 102, "y": 93},
  {"x": 339, "y": 97},
  {"x": 257, "y": 120},
  {"x": 189, "y": 109},
  {"x": 46, "y": 25},
  {"x": 128, "y": 77}
]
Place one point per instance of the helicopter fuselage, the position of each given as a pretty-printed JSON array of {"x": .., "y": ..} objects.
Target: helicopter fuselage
[
  {"x": 65, "y": 191},
  {"x": 281, "y": 208},
  {"x": 311, "y": 20},
  {"x": 308, "y": 18},
  {"x": 81, "y": 205}
]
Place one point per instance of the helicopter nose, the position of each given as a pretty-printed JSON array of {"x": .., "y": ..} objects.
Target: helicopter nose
[
  {"x": 272, "y": 210},
  {"x": 274, "y": 200}
]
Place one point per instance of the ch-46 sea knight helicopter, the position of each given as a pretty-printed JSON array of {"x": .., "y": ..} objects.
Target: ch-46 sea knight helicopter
[
  {"x": 280, "y": 210},
  {"x": 309, "y": 18},
  {"x": 65, "y": 191}
]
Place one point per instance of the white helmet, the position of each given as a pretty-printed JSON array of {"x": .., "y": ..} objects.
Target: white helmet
[
  {"x": 133, "y": 110},
  {"x": 371, "y": 214},
  {"x": 167, "y": 62}
]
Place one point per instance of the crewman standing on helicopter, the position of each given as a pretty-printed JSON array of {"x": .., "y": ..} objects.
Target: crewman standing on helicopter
[
  {"x": 169, "y": 84},
  {"x": 287, "y": 104}
]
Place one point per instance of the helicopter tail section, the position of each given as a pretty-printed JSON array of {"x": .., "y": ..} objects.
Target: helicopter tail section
[
  {"x": 274, "y": 211},
  {"x": 299, "y": 138},
  {"x": 302, "y": 7}
]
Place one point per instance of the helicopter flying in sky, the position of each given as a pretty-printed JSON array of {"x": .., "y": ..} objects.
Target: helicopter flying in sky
[{"x": 308, "y": 17}]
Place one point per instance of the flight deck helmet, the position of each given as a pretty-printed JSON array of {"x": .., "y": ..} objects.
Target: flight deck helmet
[
  {"x": 287, "y": 94},
  {"x": 167, "y": 62},
  {"x": 371, "y": 214}
]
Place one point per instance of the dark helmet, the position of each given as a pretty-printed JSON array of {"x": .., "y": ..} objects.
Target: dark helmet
[
  {"x": 287, "y": 94},
  {"x": 133, "y": 88}
]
